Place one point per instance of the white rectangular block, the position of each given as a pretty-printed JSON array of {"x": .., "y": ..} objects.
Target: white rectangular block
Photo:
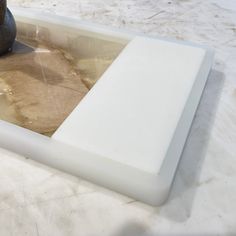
[{"x": 134, "y": 122}]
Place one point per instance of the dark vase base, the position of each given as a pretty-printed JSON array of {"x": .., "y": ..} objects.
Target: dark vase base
[{"x": 7, "y": 33}]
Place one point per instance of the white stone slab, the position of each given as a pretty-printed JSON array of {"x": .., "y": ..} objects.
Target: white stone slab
[{"x": 137, "y": 117}]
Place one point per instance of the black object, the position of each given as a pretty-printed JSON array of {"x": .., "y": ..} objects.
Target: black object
[{"x": 7, "y": 28}]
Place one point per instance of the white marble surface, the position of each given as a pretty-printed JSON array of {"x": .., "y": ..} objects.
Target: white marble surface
[{"x": 37, "y": 200}]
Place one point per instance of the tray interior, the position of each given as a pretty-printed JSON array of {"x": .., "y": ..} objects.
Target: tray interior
[{"x": 43, "y": 79}]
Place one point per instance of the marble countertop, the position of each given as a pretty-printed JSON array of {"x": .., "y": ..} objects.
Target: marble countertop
[{"x": 38, "y": 200}]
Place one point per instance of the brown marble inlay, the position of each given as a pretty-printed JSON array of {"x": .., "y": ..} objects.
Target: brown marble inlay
[{"x": 38, "y": 87}]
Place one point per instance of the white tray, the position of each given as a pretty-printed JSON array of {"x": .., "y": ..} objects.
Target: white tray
[{"x": 128, "y": 132}]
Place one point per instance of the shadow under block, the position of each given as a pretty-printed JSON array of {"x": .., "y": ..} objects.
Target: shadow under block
[{"x": 132, "y": 125}]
